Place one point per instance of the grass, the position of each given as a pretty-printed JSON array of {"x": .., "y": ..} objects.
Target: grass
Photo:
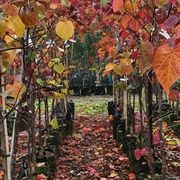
[{"x": 91, "y": 105}]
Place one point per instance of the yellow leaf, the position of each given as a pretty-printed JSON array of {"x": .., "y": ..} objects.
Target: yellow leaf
[
  {"x": 8, "y": 39},
  {"x": 15, "y": 23},
  {"x": 65, "y": 3},
  {"x": 54, "y": 123},
  {"x": 108, "y": 69},
  {"x": 3, "y": 28},
  {"x": 64, "y": 29},
  {"x": 160, "y": 3},
  {"x": 64, "y": 91},
  {"x": 58, "y": 95},
  {"x": 8, "y": 57},
  {"x": 113, "y": 174},
  {"x": 124, "y": 68},
  {"x": 52, "y": 82},
  {"x": 16, "y": 90},
  {"x": 58, "y": 68}
]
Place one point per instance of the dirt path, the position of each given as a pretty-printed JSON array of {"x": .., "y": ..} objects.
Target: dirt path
[{"x": 91, "y": 153}]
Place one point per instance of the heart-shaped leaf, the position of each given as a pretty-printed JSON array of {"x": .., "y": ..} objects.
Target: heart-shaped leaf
[{"x": 64, "y": 29}]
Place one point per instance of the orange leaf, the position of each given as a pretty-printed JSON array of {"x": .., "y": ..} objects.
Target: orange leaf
[
  {"x": 166, "y": 65},
  {"x": 30, "y": 19},
  {"x": 177, "y": 29},
  {"x": 16, "y": 90},
  {"x": 108, "y": 69},
  {"x": 132, "y": 176},
  {"x": 124, "y": 68},
  {"x": 10, "y": 10},
  {"x": 125, "y": 20},
  {"x": 130, "y": 6},
  {"x": 135, "y": 25},
  {"x": 147, "y": 52},
  {"x": 117, "y": 4}
]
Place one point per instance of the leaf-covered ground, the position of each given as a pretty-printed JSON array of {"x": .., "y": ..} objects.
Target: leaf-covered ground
[{"x": 91, "y": 152}]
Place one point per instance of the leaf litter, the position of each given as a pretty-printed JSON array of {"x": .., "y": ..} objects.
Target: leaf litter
[{"x": 91, "y": 152}]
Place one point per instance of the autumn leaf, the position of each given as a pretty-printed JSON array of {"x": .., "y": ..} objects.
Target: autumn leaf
[
  {"x": 117, "y": 4},
  {"x": 130, "y": 6},
  {"x": 170, "y": 22},
  {"x": 160, "y": 3},
  {"x": 58, "y": 68},
  {"x": 10, "y": 9},
  {"x": 54, "y": 123},
  {"x": 65, "y": 3},
  {"x": 8, "y": 57},
  {"x": 3, "y": 27},
  {"x": 156, "y": 138},
  {"x": 54, "y": 4},
  {"x": 103, "y": 2},
  {"x": 146, "y": 56},
  {"x": 166, "y": 65},
  {"x": 30, "y": 19},
  {"x": 125, "y": 20},
  {"x": 16, "y": 90},
  {"x": 132, "y": 176},
  {"x": 64, "y": 29},
  {"x": 41, "y": 177},
  {"x": 113, "y": 174},
  {"x": 174, "y": 95},
  {"x": 108, "y": 69},
  {"x": 57, "y": 95},
  {"x": 15, "y": 23},
  {"x": 137, "y": 154},
  {"x": 177, "y": 29},
  {"x": 124, "y": 68}
]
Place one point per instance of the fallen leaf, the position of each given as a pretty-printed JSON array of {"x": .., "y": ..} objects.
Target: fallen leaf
[
  {"x": 132, "y": 176},
  {"x": 113, "y": 174}
]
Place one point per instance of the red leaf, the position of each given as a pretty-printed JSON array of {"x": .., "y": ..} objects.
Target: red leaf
[
  {"x": 156, "y": 138},
  {"x": 86, "y": 129},
  {"x": 134, "y": 54},
  {"x": 91, "y": 170},
  {"x": 124, "y": 34},
  {"x": 135, "y": 25},
  {"x": 177, "y": 29},
  {"x": 137, "y": 154},
  {"x": 174, "y": 95},
  {"x": 41, "y": 177},
  {"x": 137, "y": 129},
  {"x": 117, "y": 4},
  {"x": 132, "y": 176},
  {"x": 143, "y": 152},
  {"x": 170, "y": 22}
]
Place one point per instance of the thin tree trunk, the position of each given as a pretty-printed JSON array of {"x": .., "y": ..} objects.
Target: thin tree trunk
[
  {"x": 148, "y": 101},
  {"x": 161, "y": 133}
]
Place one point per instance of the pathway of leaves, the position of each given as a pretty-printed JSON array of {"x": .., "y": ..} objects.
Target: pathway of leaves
[{"x": 91, "y": 153}]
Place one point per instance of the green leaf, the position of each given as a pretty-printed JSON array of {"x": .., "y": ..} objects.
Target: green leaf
[
  {"x": 103, "y": 2},
  {"x": 54, "y": 123},
  {"x": 64, "y": 91},
  {"x": 65, "y": 3},
  {"x": 40, "y": 81},
  {"x": 56, "y": 60},
  {"x": 58, "y": 68}
]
